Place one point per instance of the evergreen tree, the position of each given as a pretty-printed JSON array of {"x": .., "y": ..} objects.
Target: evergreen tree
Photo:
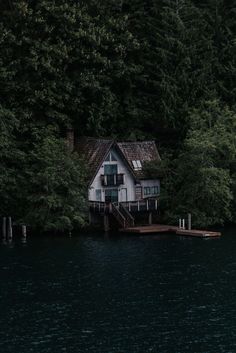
[
  {"x": 128, "y": 69},
  {"x": 202, "y": 182},
  {"x": 56, "y": 196}
]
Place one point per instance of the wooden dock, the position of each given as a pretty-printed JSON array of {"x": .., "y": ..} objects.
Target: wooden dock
[{"x": 162, "y": 228}]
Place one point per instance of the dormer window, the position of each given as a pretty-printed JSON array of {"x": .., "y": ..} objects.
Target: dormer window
[{"x": 137, "y": 165}]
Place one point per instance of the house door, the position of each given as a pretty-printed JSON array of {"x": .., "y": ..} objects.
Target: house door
[
  {"x": 111, "y": 195},
  {"x": 123, "y": 195}
]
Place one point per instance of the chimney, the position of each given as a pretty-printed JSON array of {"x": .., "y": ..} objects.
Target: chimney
[{"x": 70, "y": 139}]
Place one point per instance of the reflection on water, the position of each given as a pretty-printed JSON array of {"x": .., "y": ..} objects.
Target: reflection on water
[{"x": 118, "y": 295}]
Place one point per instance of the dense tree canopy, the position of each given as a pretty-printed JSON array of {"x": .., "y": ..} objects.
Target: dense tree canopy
[{"x": 133, "y": 69}]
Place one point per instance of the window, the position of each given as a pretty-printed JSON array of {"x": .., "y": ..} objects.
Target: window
[
  {"x": 151, "y": 190},
  {"x": 138, "y": 193},
  {"x": 155, "y": 190},
  {"x": 111, "y": 157},
  {"x": 137, "y": 165},
  {"x": 110, "y": 169},
  {"x": 111, "y": 195},
  {"x": 147, "y": 190},
  {"x": 98, "y": 195}
]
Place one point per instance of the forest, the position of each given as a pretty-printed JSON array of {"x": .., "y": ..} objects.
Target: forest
[{"x": 128, "y": 69}]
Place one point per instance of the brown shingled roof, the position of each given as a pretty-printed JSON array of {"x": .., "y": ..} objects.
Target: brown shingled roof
[
  {"x": 94, "y": 151},
  {"x": 143, "y": 151}
]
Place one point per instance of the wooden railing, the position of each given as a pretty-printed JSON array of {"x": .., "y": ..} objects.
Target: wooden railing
[
  {"x": 128, "y": 217},
  {"x": 132, "y": 206},
  {"x": 112, "y": 179},
  {"x": 121, "y": 211},
  {"x": 141, "y": 205},
  {"x": 99, "y": 207},
  {"x": 118, "y": 215}
]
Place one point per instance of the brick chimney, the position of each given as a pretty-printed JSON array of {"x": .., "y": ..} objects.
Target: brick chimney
[{"x": 70, "y": 139}]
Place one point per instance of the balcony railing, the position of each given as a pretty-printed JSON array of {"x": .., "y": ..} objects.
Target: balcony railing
[
  {"x": 133, "y": 206},
  {"x": 144, "y": 205},
  {"x": 112, "y": 179}
]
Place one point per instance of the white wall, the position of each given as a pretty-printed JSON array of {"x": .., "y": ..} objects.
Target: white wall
[{"x": 129, "y": 182}]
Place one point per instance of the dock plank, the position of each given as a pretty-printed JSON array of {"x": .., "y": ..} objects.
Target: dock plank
[
  {"x": 198, "y": 233},
  {"x": 163, "y": 228},
  {"x": 154, "y": 228}
]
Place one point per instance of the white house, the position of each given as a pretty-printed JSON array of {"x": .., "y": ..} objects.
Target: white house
[{"x": 117, "y": 171}]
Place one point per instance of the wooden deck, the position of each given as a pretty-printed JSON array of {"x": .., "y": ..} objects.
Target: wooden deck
[
  {"x": 198, "y": 233},
  {"x": 162, "y": 228}
]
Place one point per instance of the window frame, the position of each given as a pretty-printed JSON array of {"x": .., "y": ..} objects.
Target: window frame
[{"x": 137, "y": 165}]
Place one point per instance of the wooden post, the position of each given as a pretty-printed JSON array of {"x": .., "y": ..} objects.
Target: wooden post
[
  {"x": 106, "y": 223},
  {"x": 150, "y": 218},
  {"x": 180, "y": 223},
  {"x": 4, "y": 227},
  {"x": 9, "y": 228},
  {"x": 24, "y": 231},
  {"x": 24, "y": 234},
  {"x": 90, "y": 218},
  {"x": 155, "y": 204},
  {"x": 189, "y": 221}
]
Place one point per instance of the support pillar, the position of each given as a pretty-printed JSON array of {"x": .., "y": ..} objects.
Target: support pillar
[
  {"x": 9, "y": 228},
  {"x": 150, "y": 218},
  {"x": 189, "y": 221},
  {"x": 90, "y": 218},
  {"x": 24, "y": 231},
  {"x": 106, "y": 223},
  {"x": 4, "y": 227}
]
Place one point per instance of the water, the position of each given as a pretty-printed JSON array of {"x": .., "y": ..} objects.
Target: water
[{"x": 118, "y": 295}]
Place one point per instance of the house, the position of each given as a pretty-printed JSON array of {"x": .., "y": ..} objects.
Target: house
[{"x": 118, "y": 183}]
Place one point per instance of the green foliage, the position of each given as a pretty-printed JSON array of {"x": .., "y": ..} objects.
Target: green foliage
[
  {"x": 56, "y": 197},
  {"x": 202, "y": 179},
  {"x": 129, "y": 69},
  {"x": 46, "y": 187}
]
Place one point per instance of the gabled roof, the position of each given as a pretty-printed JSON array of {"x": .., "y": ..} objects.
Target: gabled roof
[
  {"x": 143, "y": 151},
  {"x": 95, "y": 150}
]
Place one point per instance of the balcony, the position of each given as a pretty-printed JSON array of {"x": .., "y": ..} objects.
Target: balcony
[
  {"x": 132, "y": 206},
  {"x": 112, "y": 179}
]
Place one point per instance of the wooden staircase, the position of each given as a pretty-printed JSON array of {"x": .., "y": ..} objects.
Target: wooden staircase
[{"x": 122, "y": 215}]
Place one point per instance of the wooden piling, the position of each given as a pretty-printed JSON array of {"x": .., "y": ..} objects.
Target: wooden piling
[
  {"x": 150, "y": 218},
  {"x": 4, "y": 227},
  {"x": 90, "y": 217},
  {"x": 24, "y": 231},
  {"x": 189, "y": 221},
  {"x": 9, "y": 228},
  {"x": 106, "y": 223}
]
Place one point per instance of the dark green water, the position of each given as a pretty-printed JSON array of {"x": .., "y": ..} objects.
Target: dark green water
[{"x": 119, "y": 295}]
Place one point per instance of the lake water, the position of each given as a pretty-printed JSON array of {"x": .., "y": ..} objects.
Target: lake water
[{"x": 131, "y": 294}]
